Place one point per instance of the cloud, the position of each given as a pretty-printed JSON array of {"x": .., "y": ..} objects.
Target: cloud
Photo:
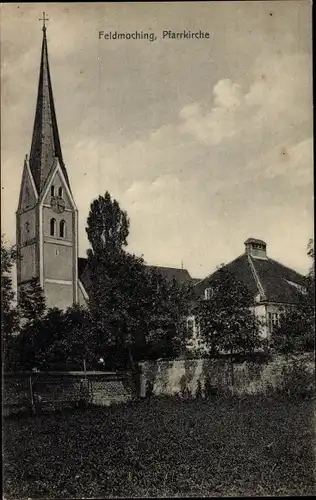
[
  {"x": 190, "y": 142},
  {"x": 295, "y": 161},
  {"x": 278, "y": 100},
  {"x": 186, "y": 182},
  {"x": 227, "y": 94},
  {"x": 214, "y": 126}
]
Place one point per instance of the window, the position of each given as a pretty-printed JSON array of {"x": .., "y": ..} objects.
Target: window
[
  {"x": 190, "y": 327},
  {"x": 197, "y": 326},
  {"x": 52, "y": 227},
  {"x": 52, "y": 190},
  {"x": 193, "y": 326},
  {"x": 27, "y": 227},
  {"x": 208, "y": 293},
  {"x": 62, "y": 229},
  {"x": 273, "y": 321},
  {"x": 60, "y": 192}
]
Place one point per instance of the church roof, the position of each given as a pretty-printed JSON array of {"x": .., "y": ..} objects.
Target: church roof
[
  {"x": 279, "y": 283},
  {"x": 45, "y": 140},
  {"x": 169, "y": 273}
]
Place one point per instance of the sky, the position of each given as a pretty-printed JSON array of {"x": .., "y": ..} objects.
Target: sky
[{"x": 203, "y": 142}]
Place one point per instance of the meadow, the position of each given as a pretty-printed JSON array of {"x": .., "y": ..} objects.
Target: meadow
[{"x": 164, "y": 446}]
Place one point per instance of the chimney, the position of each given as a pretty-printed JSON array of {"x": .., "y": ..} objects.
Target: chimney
[{"x": 256, "y": 248}]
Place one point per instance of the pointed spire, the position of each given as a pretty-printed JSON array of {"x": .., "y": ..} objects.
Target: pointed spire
[{"x": 45, "y": 141}]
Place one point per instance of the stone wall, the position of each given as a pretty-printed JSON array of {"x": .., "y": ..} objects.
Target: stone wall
[{"x": 188, "y": 376}]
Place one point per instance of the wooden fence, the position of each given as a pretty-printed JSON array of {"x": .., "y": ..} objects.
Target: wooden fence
[{"x": 40, "y": 390}]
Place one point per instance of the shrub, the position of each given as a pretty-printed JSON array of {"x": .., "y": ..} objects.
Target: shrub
[
  {"x": 149, "y": 389},
  {"x": 185, "y": 391},
  {"x": 199, "y": 390},
  {"x": 296, "y": 379},
  {"x": 209, "y": 389}
]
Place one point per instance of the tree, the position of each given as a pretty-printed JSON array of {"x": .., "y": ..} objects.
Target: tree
[
  {"x": 168, "y": 308},
  {"x": 115, "y": 275},
  {"x": 59, "y": 340},
  {"x": 32, "y": 303},
  {"x": 9, "y": 313},
  {"x": 32, "y": 347},
  {"x": 77, "y": 343},
  {"x": 296, "y": 330},
  {"x": 227, "y": 321},
  {"x": 311, "y": 254},
  {"x": 107, "y": 226},
  {"x": 131, "y": 304}
]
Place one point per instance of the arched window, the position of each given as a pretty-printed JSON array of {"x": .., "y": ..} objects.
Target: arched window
[
  {"x": 52, "y": 190},
  {"x": 60, "y": 191},
  {"x": 52, "y": 227},
  {"x": 62, "y": 229}
]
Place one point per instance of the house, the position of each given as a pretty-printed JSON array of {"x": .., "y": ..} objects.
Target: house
[{"x": 274, "y": 286}]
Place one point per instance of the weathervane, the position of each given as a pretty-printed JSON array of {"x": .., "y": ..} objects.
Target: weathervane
[{"x": 44, "y": 19}]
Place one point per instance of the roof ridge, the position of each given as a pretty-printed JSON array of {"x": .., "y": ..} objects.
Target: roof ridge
[
  {"x": 256, "y": 277},
  {"x": 166, "y": 267}
]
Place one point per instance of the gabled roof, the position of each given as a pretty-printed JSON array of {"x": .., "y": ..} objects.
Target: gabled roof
[
  {"x": 83, "y": 273},
  {"x": 45, "y": 140},
  {"x": 195, "y": 281},
  {"x": 169, "y": 273},
  {"x": 280, "y": 283},
  {"x": 82, "y": 262},
  {"x": 173, "y": 273}
]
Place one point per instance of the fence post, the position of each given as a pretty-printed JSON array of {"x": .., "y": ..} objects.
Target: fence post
[{"x": 32, "y": 396}]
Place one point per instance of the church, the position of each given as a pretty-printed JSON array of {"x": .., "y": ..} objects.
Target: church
[
  {"x": 47, "y": 215},
  {"x": 47, "y": 229}
]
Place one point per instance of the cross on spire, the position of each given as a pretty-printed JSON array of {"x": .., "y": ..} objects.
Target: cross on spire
[{"x": 44, "y": 19}]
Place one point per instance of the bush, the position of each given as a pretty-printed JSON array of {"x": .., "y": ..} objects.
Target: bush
[
  {"x": 296, "y": 379},
  {"x": 210, "y": 390},
  {"x": 149, "y": 389}
]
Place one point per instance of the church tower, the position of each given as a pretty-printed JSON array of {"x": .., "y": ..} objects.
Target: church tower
[{"x": 47, "y": 216}]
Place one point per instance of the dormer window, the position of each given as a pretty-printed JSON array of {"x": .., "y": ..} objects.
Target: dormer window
[
  {"x": 299, "y": 287},
  {"x": 52, "y": 191},
  {"x": 60, "y": 192}
]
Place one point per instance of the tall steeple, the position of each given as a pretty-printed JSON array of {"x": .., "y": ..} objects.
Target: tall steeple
[
  {"x": 47, "y": 216},
  {"x": 45, "y": 146}
]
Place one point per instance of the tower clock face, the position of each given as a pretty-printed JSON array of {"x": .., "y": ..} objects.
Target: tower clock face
[{"x": 58, "y": 204}]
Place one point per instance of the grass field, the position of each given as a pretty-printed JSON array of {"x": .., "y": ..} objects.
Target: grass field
[{"x": 167, "y": 447}]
